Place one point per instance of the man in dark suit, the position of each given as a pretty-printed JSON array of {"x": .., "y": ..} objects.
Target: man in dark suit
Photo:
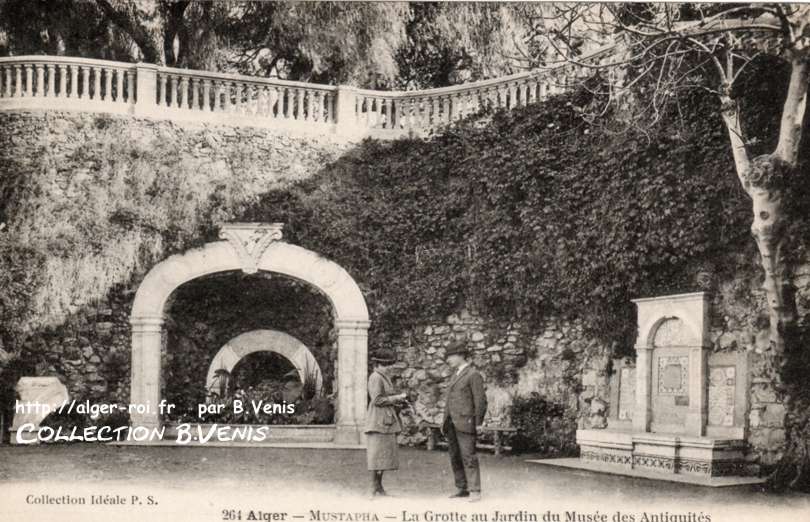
[{"x": 465, "y": 407}]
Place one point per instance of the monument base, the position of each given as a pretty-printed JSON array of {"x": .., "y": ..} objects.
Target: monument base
[{"x": 666, "y": 453}]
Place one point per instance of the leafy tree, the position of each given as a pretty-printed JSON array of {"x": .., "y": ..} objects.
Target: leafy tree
[{"x": 451, "y": 43}]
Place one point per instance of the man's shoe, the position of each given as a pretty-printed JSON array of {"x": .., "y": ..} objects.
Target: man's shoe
[
  {"x": 475, "y": 496},
  {"x": 460, "y": 494}
]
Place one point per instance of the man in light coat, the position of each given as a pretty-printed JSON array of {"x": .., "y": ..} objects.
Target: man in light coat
[{"x": 465, "y": 407}]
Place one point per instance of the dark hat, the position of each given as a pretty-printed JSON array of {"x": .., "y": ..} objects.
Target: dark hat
[
  {"x": 457, "y": 347},
  {"x": 384, "y": 355}
]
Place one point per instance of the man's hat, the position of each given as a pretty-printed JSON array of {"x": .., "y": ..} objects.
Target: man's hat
[
  {"x": 384, "y": 355},
  {"x": 457, "y": 347}
]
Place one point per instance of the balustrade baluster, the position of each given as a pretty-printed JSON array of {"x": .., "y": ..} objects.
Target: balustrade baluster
[
  {"x": 18, "y": 81},
  {"x": 445, "y": 101},
  {"x": 96, "y": 94},
  {"x": 49, "y": 84},
  {"x": 247, "y": 96},
  {"x": 424, "y": 120},
  {"x": 62, "y": 80},
  {"x": 390, "y": 113},
  {"x": 309, "y": 116},
  {"x": 452, "y": 107},
  {"x": 238, "y": 105},
  {"x": 39, "y": 88},
  {"x": 380, "y": 117},
  {"x": 367, "y": 104},
  {"x": 252, "y": 94},
  {"x": 273, "y": 111},
  {"x": 108, "y": 85},
  {"x": 405, "y": 115},
  {"x": 182, "y": 95},
  {"x": 317, "y": 115},
  {"x": 531, "y": 90},
  {"x": 299, "y": 104},
  {"x": 258, "y": 102},
  {"x": 74, "y": 81},
  {"x": 543, "y": 90},
  {"x": 84, "y": 92},
  {"x": 130, "y": 76},
  {"x": 119, "y": 86},
  {"x": 9, "y": 82},
  {"x": 226, "y": 100},
  {"x": 263, "y": 96},
  {"x": 241, "y": 98},
  {"x": 206, "y": 98},
  {"x": 27, "y": 91},
  {"x": 173, "y": 91},
  {"x": 195, "y": 94},
  {"x": 163, "y": 93},
  {"x": 286, "y": 99},
  {"x": 382, "y": 114},
  {"x": 328, "y": 106},
  {"x": 217, "y": 106}
]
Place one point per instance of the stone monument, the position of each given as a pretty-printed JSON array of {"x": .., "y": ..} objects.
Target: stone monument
[
  {"x": 681, "y": 409},
  {"x": 37, "y": 396}
]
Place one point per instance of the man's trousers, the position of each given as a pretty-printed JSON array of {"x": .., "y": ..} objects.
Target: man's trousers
[{"x": 463, "y": 459}]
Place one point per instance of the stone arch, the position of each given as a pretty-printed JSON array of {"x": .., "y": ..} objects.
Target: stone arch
[
  {"x": 688, "y": 333},
  {"x": 251, "y": 247},
  {"x": 266, "y": 341}
]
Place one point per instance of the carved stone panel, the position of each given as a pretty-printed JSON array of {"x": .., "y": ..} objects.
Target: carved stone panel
[
  {"x": 722, "y": 382},
  {"x": 627, "y": 393},
  {"x": 673, "y": 375}
]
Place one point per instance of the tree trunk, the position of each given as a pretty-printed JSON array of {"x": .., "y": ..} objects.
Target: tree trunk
[
  {"x": 128, "y": 22},
  {"x": 768, "y": 179}
]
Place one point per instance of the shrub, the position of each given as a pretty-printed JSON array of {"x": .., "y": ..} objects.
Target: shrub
[
  {"x": 66, "y": 422},
  {"x": 118, "y": 418},
  {"x": 542, "y": 427}
]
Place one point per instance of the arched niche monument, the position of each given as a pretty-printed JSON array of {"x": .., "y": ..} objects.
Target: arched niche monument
[
  {"x": 681, "y": 408},
  {"x": 251, "y": 247}
]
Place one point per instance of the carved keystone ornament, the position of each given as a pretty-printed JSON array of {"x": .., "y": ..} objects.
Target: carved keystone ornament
[{"x": 250, "y": 240}]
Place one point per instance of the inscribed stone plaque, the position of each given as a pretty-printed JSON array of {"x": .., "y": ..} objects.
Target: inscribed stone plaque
[
  {"x": 722, "y": 381},
  {"x": 627, "y": 393},
  {"x": 673, "y": 375}
]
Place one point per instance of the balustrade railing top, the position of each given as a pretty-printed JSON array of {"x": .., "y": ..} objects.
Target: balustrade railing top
[{"x": 61, "y": 83}]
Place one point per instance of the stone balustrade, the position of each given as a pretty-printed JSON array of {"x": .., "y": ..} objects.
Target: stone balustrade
[
  {"x": 50, "y": 82},
  {"x": 145, "y": 90}
]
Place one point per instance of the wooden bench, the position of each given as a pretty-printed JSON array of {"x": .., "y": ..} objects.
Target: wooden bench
[{"x": 434, "y": 434}]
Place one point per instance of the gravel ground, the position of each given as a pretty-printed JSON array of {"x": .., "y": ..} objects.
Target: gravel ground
[{"x": 204, "y": 483}]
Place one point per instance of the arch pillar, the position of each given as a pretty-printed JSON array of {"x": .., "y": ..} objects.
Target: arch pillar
[
  {"x": 147, "y": 332},
  {"x": 352, "y": 376}
]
